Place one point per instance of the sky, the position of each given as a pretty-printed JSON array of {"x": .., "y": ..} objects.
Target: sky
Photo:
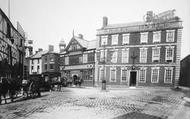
[{"x": 48, "y": 21}]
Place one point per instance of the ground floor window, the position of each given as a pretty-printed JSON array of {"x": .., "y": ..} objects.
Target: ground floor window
[
  {"x": 112, "y": 74},
  {"x": 124, "y": 75},
  {"x": 142, "y": 75},
  {"x": 87, "y": 74},
  {"x": 155, "y": 74},
  {"x": 168, "y": 74},
  {"x": 101, "y": 74}
]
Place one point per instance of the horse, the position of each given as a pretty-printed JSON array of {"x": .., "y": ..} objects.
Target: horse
[
  {"x": 31, "y": 88},
  {"x": 9, "y": 86}
]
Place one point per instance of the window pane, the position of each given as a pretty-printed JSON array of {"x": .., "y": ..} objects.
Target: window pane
[
  {"x": 113, "y": 74},
  {"x": 124, "y": 76}
]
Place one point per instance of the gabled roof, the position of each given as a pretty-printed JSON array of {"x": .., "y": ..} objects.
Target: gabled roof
[
  {"x": 39, "y": 54},
  {"x": 83, "y": 43}
]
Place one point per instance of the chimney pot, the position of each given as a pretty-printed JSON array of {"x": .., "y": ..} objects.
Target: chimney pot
[
  {"x": 80, "y": 36},
  {"x": 105, "y": 21}
]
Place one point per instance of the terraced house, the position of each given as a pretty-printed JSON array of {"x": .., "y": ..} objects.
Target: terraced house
[{"x": 143, "y": 53}]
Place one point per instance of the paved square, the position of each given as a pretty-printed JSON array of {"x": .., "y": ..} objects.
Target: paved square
[{"x": 92, "y": 103}]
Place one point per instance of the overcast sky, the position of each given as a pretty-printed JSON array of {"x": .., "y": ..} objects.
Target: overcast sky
[{"x": 48, "y": 21}]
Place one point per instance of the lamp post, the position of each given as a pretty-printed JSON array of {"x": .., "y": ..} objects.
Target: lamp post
[{"x": 104, "y": 80}]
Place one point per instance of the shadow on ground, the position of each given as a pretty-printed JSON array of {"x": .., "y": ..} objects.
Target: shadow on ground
[{"x": 137, "y": 115}]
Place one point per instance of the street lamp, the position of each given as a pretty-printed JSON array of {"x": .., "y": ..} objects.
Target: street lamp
[{"x": 104, "y": 80}]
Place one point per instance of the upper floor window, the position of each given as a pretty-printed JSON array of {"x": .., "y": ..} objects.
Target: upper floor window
[
  {"x": 168, "y": 74},
  {"x": 155, "y": 74},
  {"x": 143, "y": 55},
  {"x": 169, "y": 53},
  {"x": 125, "y": 55},
  {"x": 144, "y": 37},
  {"x": 91, "y": 57},
  {"x": 155, "y": 54},
  {"x": 38, "y": 61},
  {"x": 112, "y": 74},
  {"x": 142, "y": 75},
  {"x": 114, "y": 56},
  {"x": 38, "y": 69},
  {"x": 156, "y": 36},
  {"x": 170, "y": 35},
  {"x": 45, "y": 66},
  {"x": 114, "y": 39},
  {"x": 104, "y": 40},
  {"x": 45, "y": 58},
  {"x": 51, "y": 66},
  {"x": 85, "y": 58},
  {"x": 32, "y": 61},
  {"x": 51, "y": 58},
  {"x": 126, "y": 38},
  {"x": 66, "y": 60},
  {"x": 74, "y": 47},
  {"x": 103, "y": 55}
]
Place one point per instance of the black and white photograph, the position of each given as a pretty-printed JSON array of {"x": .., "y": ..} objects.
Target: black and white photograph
[{"x": 94, "y": 59}]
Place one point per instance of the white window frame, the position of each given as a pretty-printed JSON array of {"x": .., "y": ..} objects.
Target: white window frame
[
  {"x": 125, "y": 38},
  {"x": 113, "y": 68},
  {"x": 158, "y": 69},
  {"x": 168, "y": 37},
  {"x": 125, "y": 59},
  {"x": 115, "y": 52},
  {"x": 127, "y": 75},
  {"x": 143, "y": 56},
  {"x": 104, "y": 39},
  {"x": 102, "y": 55},
  {"x": 168, "y": 68},
  {"x": 66, "y": 60},
  {"x": 140, "y": 71},
  {"x": 166, "y": 53},
  {"x": 144, "y": 37},
  {"x": 154, "y": 57},
  {"x": 114, "y": 39},
  {"x": 156, "y": 36}
]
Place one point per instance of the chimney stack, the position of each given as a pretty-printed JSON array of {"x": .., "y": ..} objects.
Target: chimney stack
[
  {"x": 105, "y": 21},
  {"x": 40, "y": 49},
  {"x": 80, "y": 36},
  {"x": 149, "y": 16},
  {"x": 51, "y": 48}
]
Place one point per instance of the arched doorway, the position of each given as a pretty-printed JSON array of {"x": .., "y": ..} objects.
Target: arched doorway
[{"x": 75, "y": 79}]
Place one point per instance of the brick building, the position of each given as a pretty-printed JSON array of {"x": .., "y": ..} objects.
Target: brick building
[
  {"x": 78, "y": 59},
  {"x": 35, "y": 63},
  {"x": 184, "y": 72},
  {"x": 50, "y": 65},
  {"x": 143, "y": 53}
]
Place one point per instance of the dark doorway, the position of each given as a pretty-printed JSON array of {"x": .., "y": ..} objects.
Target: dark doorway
[{"x": 133, "y": 76}]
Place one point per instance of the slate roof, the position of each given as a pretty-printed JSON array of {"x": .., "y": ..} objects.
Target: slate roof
[
  {"x": 87, "y": 44},
  {"x": 124, "y": 24},
  {"x": 39, "y": 54}
]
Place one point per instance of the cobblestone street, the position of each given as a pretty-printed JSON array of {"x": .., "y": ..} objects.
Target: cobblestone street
[{"x": 92, "y": 103}]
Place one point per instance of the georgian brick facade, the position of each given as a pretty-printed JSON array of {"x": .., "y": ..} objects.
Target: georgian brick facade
[
  {"x": 50, "y": 66},
  {"x": 139, "y": 54}
]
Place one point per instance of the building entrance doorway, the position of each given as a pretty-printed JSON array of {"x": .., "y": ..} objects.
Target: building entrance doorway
[{"x": 133, "y": 78}]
